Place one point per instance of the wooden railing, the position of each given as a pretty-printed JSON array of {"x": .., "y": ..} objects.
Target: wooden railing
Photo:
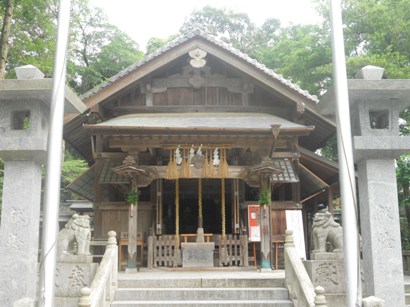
[
  {"x": 164, "y": 251},
  {"x": 233, "y": 250},
  {"x": 101, "y": 292},
  {"x": 298, "y": 282},
  {"x": 406, "y": 262}
]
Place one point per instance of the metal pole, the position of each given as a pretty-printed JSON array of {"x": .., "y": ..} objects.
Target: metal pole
[
  {"x": 54, "y": 156},
  {"x": 346, "y": 162}
]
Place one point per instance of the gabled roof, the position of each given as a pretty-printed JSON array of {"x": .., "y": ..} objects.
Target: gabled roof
[
  {"x": 286, "y": 91},
  {"x": 196, "y": 33}
]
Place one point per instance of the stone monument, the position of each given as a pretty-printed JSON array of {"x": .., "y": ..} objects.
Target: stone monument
[
  {"x": 375, "y": 107},
  {"x": 326, "y": 267},
  {"x": 24, "y": 123}
]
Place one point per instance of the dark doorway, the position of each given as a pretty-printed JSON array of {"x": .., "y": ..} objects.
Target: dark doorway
[{"x": 188, "y": 206}]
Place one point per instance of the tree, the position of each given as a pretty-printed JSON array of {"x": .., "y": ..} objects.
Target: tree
[
  {"x": 403, "y": 185},
  {"x": 32, "y": 35},
  {"x": 4, "y": 36},
  {"x": 72, "y": 167},
  {"x": 301, "y": 53},
  {"x": 155, "y": 43},
  {"x": 98, "y": 49},
  {"x": 234, "y": 28},
  {"x": 1, "y": 183}
]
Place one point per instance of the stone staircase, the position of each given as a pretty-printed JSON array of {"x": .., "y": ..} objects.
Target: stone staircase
[
  {"x": 407, "y": 291},
  {"x": 224, "y": 288}
]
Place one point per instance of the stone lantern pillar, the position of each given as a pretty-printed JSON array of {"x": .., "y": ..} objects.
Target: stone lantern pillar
[
  {"x": 375, "y": 107},
  {"x": 24, "y": 124}
]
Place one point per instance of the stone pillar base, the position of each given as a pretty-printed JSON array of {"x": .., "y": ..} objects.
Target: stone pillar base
[
  {"x": 71, "y": 277},
  {"x": 327, "y": 271}
]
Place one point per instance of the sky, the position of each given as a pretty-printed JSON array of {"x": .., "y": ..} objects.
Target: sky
[{"x": 143, "y": 19}]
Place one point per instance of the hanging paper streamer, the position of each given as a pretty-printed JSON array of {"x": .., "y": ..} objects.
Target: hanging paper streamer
[
  {"x": 210, "y": 160},
  {"x": 172, "y": 170}
]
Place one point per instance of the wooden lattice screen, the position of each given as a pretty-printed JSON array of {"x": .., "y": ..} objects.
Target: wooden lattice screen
[
  {"x": 233, "y": 250},
  {"x": 163, "y": 251}
]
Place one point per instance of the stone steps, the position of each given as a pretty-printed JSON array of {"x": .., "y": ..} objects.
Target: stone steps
[
  {"x": 407, "y": 293},
  {"x": 175, "y": 294},
  {"x": 201, "y": 289},
  {"x": 226, "y": 303}
]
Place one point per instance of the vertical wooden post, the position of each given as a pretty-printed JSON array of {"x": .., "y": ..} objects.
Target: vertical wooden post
[
  {"x": 265, "y": 229},
  {"x": 159, "y": 206},
  {"x": 99, "y": 163},
  {"x": 132, "y": 231},
  {"x": 236, "y": 205},
  {"x": 200, "y": 218},
  {"x": 223, "y": 208}
]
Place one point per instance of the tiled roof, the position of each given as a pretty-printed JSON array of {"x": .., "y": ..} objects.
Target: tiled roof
[
  {"x": 200, "y": 120},
  {"x": 188, "y": 36}
]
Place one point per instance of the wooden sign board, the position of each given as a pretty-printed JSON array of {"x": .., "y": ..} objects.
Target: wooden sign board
[{"x": 254, "y": 223}]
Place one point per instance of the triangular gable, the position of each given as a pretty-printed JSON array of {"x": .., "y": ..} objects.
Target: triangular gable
[{"x": 212, "y": 45}]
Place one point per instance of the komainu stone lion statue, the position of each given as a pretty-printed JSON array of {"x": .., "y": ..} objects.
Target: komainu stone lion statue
[
  {"x": 77, "y": 230},
  {"x": 326, "y": 230}
]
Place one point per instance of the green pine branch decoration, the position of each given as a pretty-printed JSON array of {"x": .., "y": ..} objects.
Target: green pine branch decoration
[
  {"x": 132, "y": 197},
  {"x": 265, "y": 197}
]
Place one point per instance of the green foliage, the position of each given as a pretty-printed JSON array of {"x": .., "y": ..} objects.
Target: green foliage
[
  {"x": 32, "y": 37},
  {"x": 1, "y": 183},
  {"x": 403, "y": 186},
  {"x": 71, "y": 168},
  {"x": 330, "y": 150},
  {"x": 97, "y": 49},
  {"x": 234, "y": 28},
  {"x": 155, "y": 43},
  {"x": 132, "y": 197},
  {"x": 265, "y": 197},
  {"x": 301, "y": 53}
]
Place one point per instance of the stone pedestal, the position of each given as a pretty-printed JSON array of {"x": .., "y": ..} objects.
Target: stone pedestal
[
  {"x": 197, "y": 255},
  {"x": 380, "y": 225},
  {"x": 19, "y": 233},
  {"x": 72, "y": 274},
  {"x": 327, "y": 270}
]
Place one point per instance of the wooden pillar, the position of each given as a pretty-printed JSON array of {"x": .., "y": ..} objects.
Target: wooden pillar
[
  {"x": 265, "y": 228},
  {"x": 236, "y": 217},
  {"x": 132, "y": 231},
  {"x": 159, "y": 215},
  {"x": 200, "y": 216},
  {"x": 223, "y": 208},
  {"x": 98, "y": 190}
]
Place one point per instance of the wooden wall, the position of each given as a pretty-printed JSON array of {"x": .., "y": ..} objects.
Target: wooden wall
[{"x": 115, "y": 217}]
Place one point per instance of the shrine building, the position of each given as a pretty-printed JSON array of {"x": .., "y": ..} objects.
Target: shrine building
[{"x": 199, "y": 131}]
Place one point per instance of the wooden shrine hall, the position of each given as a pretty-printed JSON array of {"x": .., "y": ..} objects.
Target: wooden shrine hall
[{"x": 198, "y": 131}]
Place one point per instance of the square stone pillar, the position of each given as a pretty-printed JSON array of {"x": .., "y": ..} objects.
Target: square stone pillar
[
  {"x": 19, "y": 235},
  {"x": 380, "y": 226}
]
